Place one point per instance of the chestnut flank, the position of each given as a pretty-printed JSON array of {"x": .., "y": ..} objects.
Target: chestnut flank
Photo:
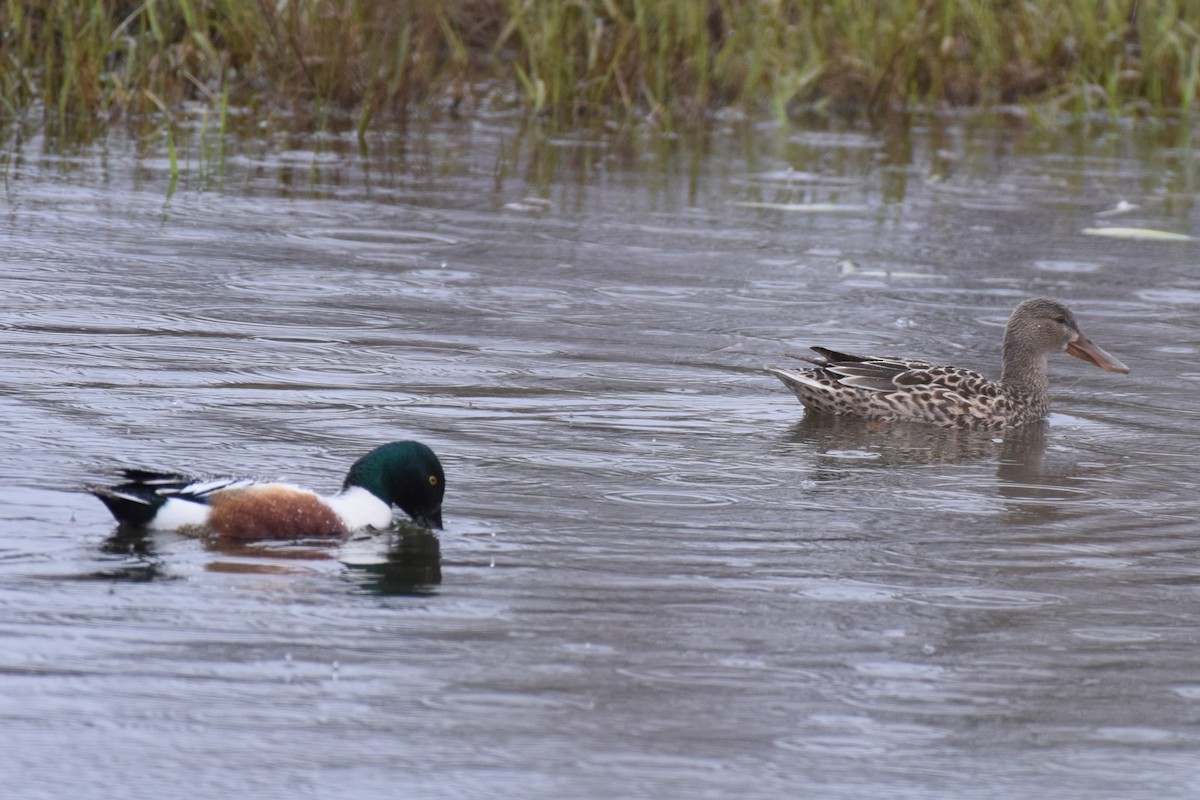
[{"x": 273, "y": 512}]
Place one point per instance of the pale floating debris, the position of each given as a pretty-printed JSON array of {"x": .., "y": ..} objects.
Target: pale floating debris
[
  {"x": 848, "y": 267},
  {"x": 1055, "y": 265},
  {"x": 789, "y": 175},
  {"x": 523, "y": 207},
  {"x": 808, "y": 208},
  {"x": 852, "y": 454},
  {"x": 1138, "y": 233},
  {"x": 529, "y": 204},
  {"x": 1120, "y": 208}
]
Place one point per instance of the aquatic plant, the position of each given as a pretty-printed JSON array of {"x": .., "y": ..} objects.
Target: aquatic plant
[{"x": 84, "y": 62}]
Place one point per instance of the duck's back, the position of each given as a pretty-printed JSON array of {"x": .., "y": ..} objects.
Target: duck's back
[{"x": 894, "y": 388}]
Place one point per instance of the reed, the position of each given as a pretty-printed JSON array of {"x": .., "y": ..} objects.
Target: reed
[{"x": 87, "y": 62}]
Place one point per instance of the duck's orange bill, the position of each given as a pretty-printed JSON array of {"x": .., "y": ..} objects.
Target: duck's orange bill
[{"x": 1083, "y": 349}]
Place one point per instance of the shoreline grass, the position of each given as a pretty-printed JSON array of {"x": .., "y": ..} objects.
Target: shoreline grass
[{"x": 675, "y": 62}]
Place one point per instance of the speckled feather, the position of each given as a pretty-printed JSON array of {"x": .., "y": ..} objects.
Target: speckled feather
[{"x": 894, "y": 388}]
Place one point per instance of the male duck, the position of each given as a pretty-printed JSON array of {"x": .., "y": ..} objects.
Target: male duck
[
  {"x": 404, "y": 474},
  {"x": 889, "y": 388}
]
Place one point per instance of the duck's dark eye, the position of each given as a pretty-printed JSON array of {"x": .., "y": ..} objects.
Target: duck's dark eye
[
  {"x": 1060, "y": 319},
  {"x": 433, "y": 480}
]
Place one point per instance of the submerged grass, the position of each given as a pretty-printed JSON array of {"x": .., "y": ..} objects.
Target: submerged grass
[{"x": 82, "y": 62}]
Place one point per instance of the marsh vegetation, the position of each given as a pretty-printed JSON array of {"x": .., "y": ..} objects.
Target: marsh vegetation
[{"x": 88, "y": 62}]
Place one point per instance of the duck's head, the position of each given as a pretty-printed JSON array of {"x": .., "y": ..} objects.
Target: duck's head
[
  {"x": 1043, "y": 326},
  {"x": 404, "y": 474}
]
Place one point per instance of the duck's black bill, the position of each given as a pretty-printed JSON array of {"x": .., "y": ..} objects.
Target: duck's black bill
[
  {"x": 429, "y": 519},
  {"x": 1085, "y": 350}
]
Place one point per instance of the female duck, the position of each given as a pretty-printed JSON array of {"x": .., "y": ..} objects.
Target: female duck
[{"x": 889, "y": 388}]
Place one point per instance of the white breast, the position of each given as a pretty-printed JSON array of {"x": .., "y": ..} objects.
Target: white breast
[{"x": 358, "y": 508}]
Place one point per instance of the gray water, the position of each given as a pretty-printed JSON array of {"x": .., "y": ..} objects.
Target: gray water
[{"x": 657, "y": 578}]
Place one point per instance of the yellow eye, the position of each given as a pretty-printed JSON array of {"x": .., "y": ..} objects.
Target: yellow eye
[{"x": 433, "y": 480}]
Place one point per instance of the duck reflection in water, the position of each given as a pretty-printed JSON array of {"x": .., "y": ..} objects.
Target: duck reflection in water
[
  {"x": 841, "y": 446},
  {"x": 402, "y": 561},
  {"x": 411, "y": 565},
  {"x": 838, "y": 440}
]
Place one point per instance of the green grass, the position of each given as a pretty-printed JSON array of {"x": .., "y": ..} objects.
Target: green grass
[{"x": 85, "y": 63}]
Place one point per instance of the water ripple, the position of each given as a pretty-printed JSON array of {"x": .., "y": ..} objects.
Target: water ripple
[
  {"x": 666, "y": 498},
  {"x": 657, "y": 573},
  {"x": 982, "y": 598}
]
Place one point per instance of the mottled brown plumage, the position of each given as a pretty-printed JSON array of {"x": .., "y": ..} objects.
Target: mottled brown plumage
[{"x": 891, "y": 388}]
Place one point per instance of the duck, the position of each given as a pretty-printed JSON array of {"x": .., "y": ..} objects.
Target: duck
[
  {"x": 891, "y": 388},
  {"x": 404, "y": 474}
]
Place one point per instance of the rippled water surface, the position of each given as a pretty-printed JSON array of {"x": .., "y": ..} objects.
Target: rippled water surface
[{"x": 657, "y": 577}]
